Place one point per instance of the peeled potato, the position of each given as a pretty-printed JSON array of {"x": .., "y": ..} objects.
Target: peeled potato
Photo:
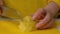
[{"x": 27, "y": 24}]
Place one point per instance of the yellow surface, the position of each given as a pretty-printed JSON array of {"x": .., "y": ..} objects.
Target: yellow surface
[
  {"x": 25, "y": 7},
  {"x": 9, "y": 27}
]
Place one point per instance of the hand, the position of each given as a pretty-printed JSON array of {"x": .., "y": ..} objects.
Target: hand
[
  {"x": 45, "y": 19},
  {"x": 1, "y": 2}
]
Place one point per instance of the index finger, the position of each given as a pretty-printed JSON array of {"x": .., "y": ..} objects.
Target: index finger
[
  {"x": 38, "y": 14},
  {"x": 44, "y": 21}
]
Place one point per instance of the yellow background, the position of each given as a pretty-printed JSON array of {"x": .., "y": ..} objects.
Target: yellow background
[
  {"x": 25, "y": 7},
  {"x": 11, "y": 27}
]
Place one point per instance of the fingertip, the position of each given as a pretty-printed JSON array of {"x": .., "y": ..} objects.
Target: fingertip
[
  {"x": 38, "y": 26},
  {"x": 33, "y": 17}
]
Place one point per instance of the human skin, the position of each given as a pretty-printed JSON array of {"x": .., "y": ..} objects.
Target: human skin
[{"x": 48, "y": 18}]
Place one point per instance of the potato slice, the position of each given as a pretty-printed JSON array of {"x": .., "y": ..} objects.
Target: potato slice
[{"x": 27, "y": 24}]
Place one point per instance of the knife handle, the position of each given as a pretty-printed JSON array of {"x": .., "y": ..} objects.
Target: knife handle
[{"x": 1, "y": 11}]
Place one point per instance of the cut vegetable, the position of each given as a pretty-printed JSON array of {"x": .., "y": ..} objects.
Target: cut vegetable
[{"x": 27, "y": 24}]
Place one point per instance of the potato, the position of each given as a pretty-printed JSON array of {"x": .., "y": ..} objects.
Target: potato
[{"x": 27, "y": 24}]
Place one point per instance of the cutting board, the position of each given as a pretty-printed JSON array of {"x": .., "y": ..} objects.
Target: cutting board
[{"x": 8, "y": 27}]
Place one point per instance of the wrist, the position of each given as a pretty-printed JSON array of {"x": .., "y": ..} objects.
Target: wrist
[{"x": 52, "y": 8}]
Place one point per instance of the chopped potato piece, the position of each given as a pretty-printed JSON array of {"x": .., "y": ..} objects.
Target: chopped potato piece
[{"x": 27, "y": 24}]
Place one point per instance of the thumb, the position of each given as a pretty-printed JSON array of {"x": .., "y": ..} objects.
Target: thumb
[{"x": 39, "y": 14}]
